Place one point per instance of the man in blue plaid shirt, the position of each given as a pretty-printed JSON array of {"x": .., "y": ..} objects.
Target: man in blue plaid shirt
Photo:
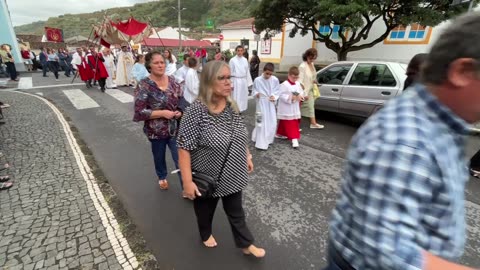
[{"x": 402, "y": 194}]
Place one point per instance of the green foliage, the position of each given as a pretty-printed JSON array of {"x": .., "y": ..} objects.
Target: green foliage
[
  {"x": 357, "y": 16},
  {"x": 160, "y": 13}
]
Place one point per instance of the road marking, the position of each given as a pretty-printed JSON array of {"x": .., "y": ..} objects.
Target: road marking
[
  {"x": 39, "y": 93},
  {"x": 56, "y": 85},
  {"x": 25, "y": 83},
  {"x": 114, "y": 234},
  {"x": 80, "y": 100},
  {"x": 120, "y": 95}
]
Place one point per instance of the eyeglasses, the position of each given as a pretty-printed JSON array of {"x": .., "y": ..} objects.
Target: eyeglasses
[{"x": 225, "y": 78}]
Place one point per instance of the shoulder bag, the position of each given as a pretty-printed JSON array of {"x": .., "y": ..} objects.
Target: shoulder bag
[{"x": 207, "y": 184}]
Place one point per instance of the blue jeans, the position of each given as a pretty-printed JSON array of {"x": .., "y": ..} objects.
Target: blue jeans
[{"x": 159, "y": 148}]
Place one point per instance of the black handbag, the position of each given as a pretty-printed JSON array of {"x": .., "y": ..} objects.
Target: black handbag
[{"x": 205, "y": 183}]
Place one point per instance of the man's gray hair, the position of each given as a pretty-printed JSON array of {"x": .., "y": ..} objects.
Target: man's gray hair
[{"x": 461, "y": 39}]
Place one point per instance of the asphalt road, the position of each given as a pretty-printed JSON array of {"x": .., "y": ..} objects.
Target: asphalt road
[{"x": 288, "y": 201}]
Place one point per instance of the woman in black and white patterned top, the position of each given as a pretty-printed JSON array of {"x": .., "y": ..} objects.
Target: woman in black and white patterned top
[{"x": 206, "y": 130}]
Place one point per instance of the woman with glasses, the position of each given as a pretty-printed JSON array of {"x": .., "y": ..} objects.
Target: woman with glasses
[
  {"x": 159, "y": 103},
  {"x": 213, "y": 140}
]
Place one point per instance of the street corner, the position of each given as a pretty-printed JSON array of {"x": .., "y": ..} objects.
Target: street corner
[{"x": 55, "y": 215}]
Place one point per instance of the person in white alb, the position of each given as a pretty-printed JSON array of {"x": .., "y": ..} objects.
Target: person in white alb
[
  {"x": 124, "y": 67},
  {"x": 111, "y": 69},
  {"x": 241, "y": 79},
  {"x": 265, "y": 91},
  {"x": 181, "y": 73},
  {"x": 190, "y": 92}
]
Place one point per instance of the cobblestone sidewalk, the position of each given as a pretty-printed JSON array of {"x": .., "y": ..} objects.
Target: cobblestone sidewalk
[{"x": 54, "y": 217}]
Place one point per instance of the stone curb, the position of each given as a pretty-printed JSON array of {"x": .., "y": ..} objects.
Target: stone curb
[{"x": 122, "y": 250}]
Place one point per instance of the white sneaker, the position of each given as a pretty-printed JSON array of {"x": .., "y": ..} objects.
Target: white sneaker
[
  {"x": 316, "y": 126},
  {"x": 295, "y": 143}
]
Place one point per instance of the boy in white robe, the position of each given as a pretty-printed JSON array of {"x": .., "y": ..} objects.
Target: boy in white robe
[
  {"x": 265, "y": 91},
  {"x": 241, "y": 79},
  {"x": 290, "y": 96},
  {"x": 192, "y": 83},
  {"x": 111, "y": 68}
]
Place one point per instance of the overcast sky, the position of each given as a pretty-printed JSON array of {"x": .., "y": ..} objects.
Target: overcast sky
[{"x": 27, "y": 11}]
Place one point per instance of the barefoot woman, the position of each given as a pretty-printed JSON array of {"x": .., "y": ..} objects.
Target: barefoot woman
[{"x": 209, "y": 127}]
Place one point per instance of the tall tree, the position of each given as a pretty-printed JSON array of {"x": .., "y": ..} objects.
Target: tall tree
[{"x": 355, "y": 16}]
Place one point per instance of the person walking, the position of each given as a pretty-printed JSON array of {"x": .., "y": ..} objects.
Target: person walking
[
  {"x": 26, "y": 58},
  {"x": 402, "y": 200},
  {"x": 265, "y": 91},
  {"x": 65, "y": 60},
  {"x": 159, "y": 103},
  {"x": 241, "y": 79},
  {"x": 95, "y": 61},
  {"x": 213, "y": 140},
  {"x": 254, "y": 65},
  {"x": 413, "y": 69},
  {"x": 43, "y": 57},
  {"x": 171, "y": 62},
  {"x": 290, "y": 95},
  {"x": 192, "y": 84},
  {"x": 53, "y": 64},
  {"x": 139, "y": 72},
  {"x": 110, "y": 66},
  {"x": 7, "y": 59},
  {"x": 307, "y": 78},
  {"x": 125, "y": 63}
]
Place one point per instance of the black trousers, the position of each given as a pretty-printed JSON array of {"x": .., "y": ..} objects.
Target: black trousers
[
  {"x": 475, "y": 161},
  {"x": 232, "y": 204},
  {"x": 12, "y": 71}
]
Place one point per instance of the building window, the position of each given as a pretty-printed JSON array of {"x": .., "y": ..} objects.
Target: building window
[
  {"x": 325, "y": 30},
  {"x": 412, "y": 34},
  {"x": 398, "y": 33}
]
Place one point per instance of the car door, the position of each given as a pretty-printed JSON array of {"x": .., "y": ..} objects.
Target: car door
[
  {"x": 368, "y": 88},
  {"x": 330, "y": 82}
]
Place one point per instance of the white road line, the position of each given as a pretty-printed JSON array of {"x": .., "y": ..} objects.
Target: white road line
[
  {"x": 25, "y": 83},
  {"x": 80, "y": 100},
  {"x": 120, "y": 245},
  {"x": 39, "y": 93},
  {"x": 120, "y": 95},
  {"x": 56, "y": 85}
]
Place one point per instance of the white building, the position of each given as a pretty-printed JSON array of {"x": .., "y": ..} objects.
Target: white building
[
  {"x": 401, "y": 44},
  {"x": 167, "y": 32}
]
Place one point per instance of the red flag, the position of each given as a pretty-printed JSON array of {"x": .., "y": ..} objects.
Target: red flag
[{"x": 54, "y": 34}]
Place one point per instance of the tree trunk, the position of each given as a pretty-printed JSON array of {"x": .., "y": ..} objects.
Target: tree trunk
[{"x": 342, "y": 56}]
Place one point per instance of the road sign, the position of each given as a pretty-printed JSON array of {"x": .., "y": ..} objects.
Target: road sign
[
  {"x": 220, "y": 37},
  {"x": 256, "y": 37},
  {"x": 210, "y": 24}
]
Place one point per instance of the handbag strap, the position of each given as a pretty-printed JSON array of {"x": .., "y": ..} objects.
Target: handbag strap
[{"x": 228, "y": 148}]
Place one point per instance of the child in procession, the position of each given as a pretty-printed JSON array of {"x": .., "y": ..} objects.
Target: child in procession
[
  {"x": 265, "y": 91},
  {"x": 290, "y": 95}
]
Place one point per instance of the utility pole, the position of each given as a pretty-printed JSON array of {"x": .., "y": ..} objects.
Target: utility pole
[
  {"x": 179, "y": 11},
  {"x": 179, "y": 27}
]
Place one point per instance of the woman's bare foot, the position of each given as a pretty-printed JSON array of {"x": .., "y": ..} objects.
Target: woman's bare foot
[
  {"x": 163, "y": 184},
  {"x": 210, "y": 243},
  {"x": 255, "y": 251}
]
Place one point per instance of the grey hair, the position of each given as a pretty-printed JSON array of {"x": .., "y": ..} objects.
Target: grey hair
[
  {"x": 207, "y": 79},
  {"x": 459, "y": 40}
]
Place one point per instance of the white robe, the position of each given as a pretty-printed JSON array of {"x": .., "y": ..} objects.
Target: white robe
[
  {"x": 124, "y": 68},
  {"x": 288, "y": 110},
  {"x": 180, "y": 74},
  {"x": 171, "y": 68},
  {"x": 76, "y": 60},
  {"x": 241, "y": 80},
  {"x": 192, "y": 85},
  {"x": 111, "y": 69},
  {"x": 264, "y": 134}
]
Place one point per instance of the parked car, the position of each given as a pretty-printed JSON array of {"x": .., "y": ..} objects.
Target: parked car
[{"x": 359, "y": 88}]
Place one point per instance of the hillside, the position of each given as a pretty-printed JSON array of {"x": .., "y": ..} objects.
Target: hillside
[{"x": 160, "y": 12}]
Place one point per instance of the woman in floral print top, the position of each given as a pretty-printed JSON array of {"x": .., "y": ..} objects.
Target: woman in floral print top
[{"x": 159, "y": 103}]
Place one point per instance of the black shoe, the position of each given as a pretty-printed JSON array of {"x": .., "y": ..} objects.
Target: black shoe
[
  {"x": 102, "y": 89},
  {"x": 45, "y": 76}
]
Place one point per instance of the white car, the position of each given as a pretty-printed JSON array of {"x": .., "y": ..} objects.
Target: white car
[{"x": 359, "y": 88}]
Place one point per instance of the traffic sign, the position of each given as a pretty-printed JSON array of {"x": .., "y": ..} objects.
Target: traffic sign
[{"x": 220, "y": 37}]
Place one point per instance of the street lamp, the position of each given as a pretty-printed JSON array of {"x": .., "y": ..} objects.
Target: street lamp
[{"x": 179, "y": 10}]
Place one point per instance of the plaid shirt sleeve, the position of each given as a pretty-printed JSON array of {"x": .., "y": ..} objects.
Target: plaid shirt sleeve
[{"x": 390, "y": 185}]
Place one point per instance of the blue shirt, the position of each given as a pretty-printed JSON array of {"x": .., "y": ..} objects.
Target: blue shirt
[
  {"x": 139, "y": 72},
  {"x": 403, "y": 186}
]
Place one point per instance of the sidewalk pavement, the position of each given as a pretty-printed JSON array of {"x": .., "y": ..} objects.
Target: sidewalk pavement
[{"x": 54, "y": 216}]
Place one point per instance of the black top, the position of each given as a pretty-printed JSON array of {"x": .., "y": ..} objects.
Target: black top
[{"x": 207, "y": 137}]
